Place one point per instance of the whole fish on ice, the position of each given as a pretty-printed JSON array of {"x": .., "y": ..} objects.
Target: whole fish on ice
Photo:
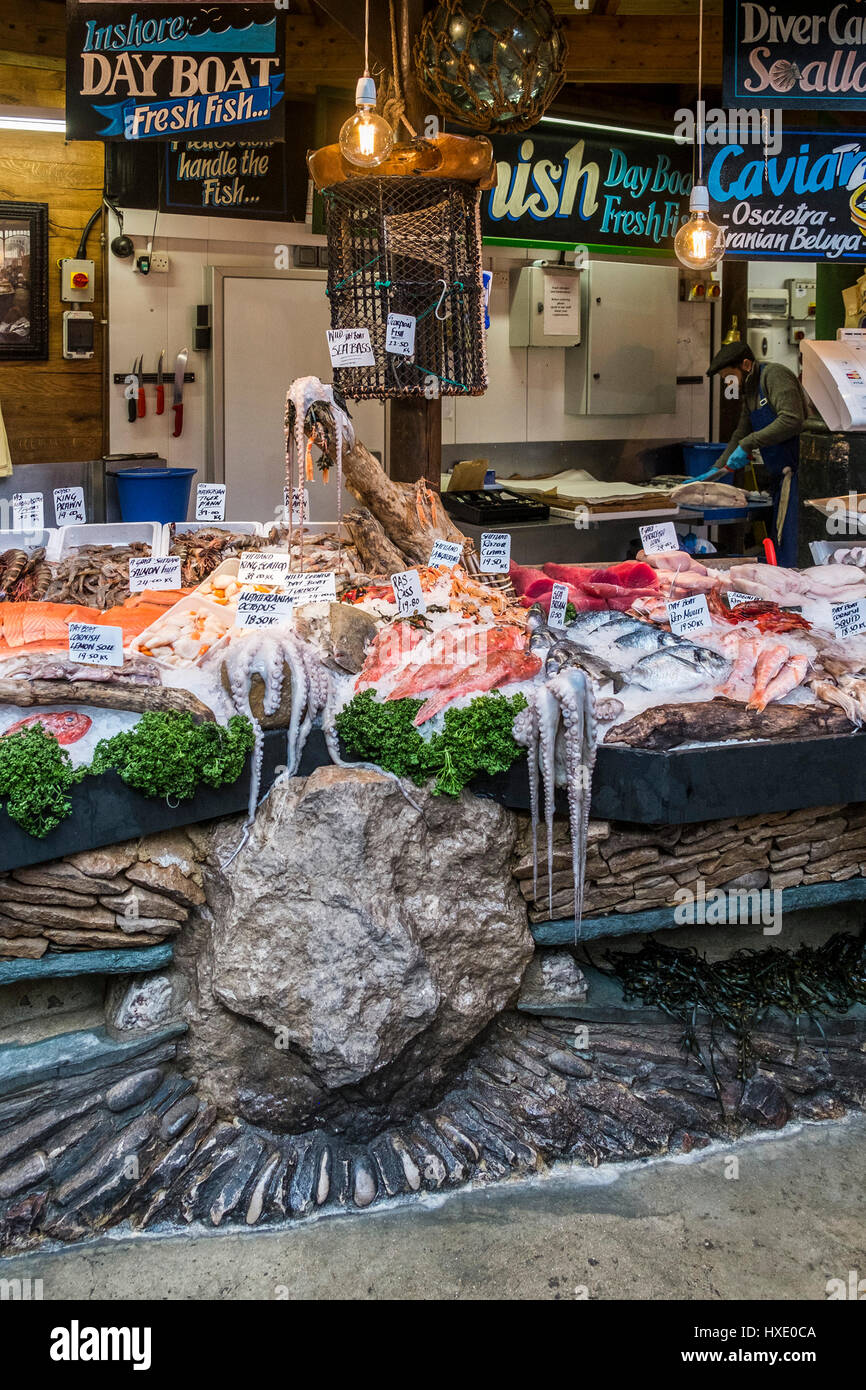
[{"x": 67, "y": 727}]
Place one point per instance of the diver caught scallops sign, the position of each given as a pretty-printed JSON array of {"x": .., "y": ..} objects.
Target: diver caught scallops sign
[
  {"x": 795, "y": 53},
  {"x": 174, "y": 71}
]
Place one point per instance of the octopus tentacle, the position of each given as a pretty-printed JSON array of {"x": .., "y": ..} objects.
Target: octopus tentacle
[
  {"x": 573, "y": 690},
  {"x": 547, "y": 710},
  {"x": 525, "y": 732}
]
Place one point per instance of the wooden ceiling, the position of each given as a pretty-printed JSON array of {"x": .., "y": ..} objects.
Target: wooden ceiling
[{"x": 650, "y": 45}]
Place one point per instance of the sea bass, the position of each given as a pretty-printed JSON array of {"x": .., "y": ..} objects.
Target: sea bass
[
  {"x": 669, "y": 670},
  {"x": 564, "y": 654},
  {"x": 67, "y": 727}
]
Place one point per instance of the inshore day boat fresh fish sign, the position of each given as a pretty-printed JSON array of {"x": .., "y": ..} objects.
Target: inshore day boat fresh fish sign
[
  {"x": 142, "y": 71},
  {"x": 795, "y": 53}
]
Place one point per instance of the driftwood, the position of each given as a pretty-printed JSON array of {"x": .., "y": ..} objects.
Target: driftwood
[
  {"x": 411, "y": 515},
  {"x": 667, "y": 726},
  {"x": 136, "y": 698},
  {"x": 377, "y": 554}
]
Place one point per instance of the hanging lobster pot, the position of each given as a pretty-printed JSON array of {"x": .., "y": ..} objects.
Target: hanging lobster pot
[{"x": 404, "y": 263}]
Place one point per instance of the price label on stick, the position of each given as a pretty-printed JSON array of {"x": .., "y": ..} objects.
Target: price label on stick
[
  {"x": 446, "y": 553},
  {"x": 350, "y": 347},
  {"x": 400, "y": 335},
  {"x": 688, "y": 615},
  {"x": 407, "y": 591},
  {"x": 27, "y": 511},
  {"x": 92, "y": 645},
  {"x": 69, "y": 506},
  {"x": 299, "y": 495},
  {"x": 558, "y": 603},
  {"x": 849, "y": 618},
  {"x": 263, "y": 610},
  {"x": 210, "y": 502},
  {"x": 154, "y": 573},
  {"x": 495, "y": 552},
  {"x": 735, "y": 599},
  {"x": 655, "y": 539}
]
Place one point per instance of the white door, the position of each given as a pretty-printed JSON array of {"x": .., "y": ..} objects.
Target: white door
[{"x": 274, "y": 331}]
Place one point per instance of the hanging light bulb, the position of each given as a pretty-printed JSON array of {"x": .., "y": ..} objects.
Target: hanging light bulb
[
  {"x": 700, "y": 243},
  {"x": 366, "y": 138}
]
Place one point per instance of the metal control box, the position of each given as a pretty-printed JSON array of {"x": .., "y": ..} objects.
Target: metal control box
[
  {"x": 545, "y": 306},
  {"x": 627, "y": 361},
  {"x": 77, "y": 281}
]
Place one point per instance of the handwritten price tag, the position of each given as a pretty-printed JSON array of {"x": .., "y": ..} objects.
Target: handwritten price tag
[
  {"x": 69, "y": 506},
  {"x": 263, "y": 569},
  {"x": 655, "y": 539},
  {"x": 407, "y": 591},
  {"x": 400, "y": 335},
  {"x": 27, "y": 511},
  {"x": 299, "y": 496},
  {"x": 312, "y": 588},
  {"x": 210, "y": 502},
  {"x": 350, "y": 347},
  {"x": 735, "y": 598},
  {"x": 849, "y": 618},
  {"x": 687, "y": 615},
  {"x": 558, "y": 602},
  {"x": 163, "y": 573},
  {"x": 495, "y": 552},
  {"x": 262, "y": 610},
  {"x": 446, "y": 553},
  {"x": 92, "y": 645}
]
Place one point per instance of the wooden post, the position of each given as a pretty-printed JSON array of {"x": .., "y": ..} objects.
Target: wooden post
[{"x": 415, "y": 423}]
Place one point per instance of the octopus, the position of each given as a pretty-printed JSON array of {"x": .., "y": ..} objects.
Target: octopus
[{"x": 320, "y": 412}]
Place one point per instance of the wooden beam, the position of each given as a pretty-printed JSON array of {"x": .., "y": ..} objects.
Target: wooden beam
[
  {"x": 349, "y": 16},
  {"x": 638, "y": 48}
]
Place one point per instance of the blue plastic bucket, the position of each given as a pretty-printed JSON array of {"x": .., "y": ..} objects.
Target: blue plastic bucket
[
  {"x": 154, "y": 494},
  {"x": 700, "y": 458}
]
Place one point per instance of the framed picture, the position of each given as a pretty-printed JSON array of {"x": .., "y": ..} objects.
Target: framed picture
[{"x": 23, "y": 282}]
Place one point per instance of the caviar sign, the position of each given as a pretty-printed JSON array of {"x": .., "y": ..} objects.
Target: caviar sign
[
  {"x": 805, "y": 202},
  {"x": 795, "y": 53},
  {"x": 174, "y": 71}
]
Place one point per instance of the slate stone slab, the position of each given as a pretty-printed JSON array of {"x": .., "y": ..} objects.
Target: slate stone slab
[
  {"x": 63, "y": 964},
  {"x": 71, "y": 1054}
]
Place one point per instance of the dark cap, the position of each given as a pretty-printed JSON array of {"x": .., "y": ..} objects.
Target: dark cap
[{"x": 731, "y": 355}]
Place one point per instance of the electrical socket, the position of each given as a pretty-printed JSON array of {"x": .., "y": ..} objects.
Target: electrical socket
[{"x": 160, "y": 264}]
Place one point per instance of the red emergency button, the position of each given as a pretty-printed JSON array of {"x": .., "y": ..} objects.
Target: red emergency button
[{"x": 80, "y": 280}]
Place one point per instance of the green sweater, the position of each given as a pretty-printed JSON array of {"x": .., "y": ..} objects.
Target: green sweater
[{"x": 785, "y": 394}]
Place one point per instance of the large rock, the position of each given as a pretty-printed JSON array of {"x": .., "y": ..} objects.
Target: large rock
[{"x": 366, "y": 937}]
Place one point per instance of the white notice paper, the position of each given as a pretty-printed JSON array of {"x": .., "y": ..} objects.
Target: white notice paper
[
  {"x": 210, "y": 502},
  {"x": 687, "y": 615},
  {"x": 558, "y": 602},
  {"x": 27, "y": 511},
  {"x": 407, "y": 592},
  {"x": 350, "y": 347},
  {"x": 562, "y": 305},
  {"x": 735, "y": 598},
  {"x": 262, "y": 610},
  {"x": 92, "y": 645},
  {"x": 655, "y": 539},
  {"x": 263, "y": 569},
  {"x": 446, "y": 553},
  {"x": 400, "y": 335},
  {"x": 69, "y": 506},
  {"x": 495, "y": 552},
  {"x": 849, "y": 618},
  {"x": 162, "y": 573}
]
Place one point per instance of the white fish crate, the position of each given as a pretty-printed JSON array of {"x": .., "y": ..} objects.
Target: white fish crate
[{"x": 69, "y": 539}]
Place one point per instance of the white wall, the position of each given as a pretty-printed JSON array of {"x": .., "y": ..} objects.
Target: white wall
[{"x": 524, "y": 401}]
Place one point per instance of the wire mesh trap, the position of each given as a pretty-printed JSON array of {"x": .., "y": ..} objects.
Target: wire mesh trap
[{"x": 412, "y": 247}]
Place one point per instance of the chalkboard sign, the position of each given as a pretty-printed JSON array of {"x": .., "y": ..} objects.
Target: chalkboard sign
[
  {"x": 256, "y": 180},
  {"x": 158, "y": 72}
]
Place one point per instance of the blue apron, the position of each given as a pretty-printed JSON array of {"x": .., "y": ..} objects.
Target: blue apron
[{"x": 776, "y": 458}]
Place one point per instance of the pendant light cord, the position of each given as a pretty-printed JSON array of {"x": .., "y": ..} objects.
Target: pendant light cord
[
  {"x": 700, "y": 88},
  {"x": 367, "y": 38}
]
